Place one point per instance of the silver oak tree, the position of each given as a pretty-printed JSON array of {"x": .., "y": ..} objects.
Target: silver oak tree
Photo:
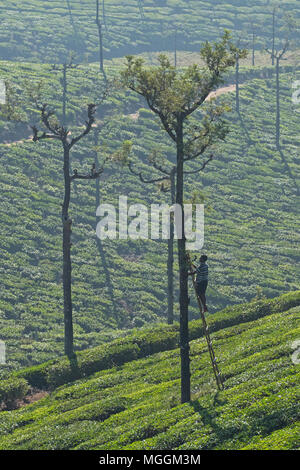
[{"x": 174, "y": 95}]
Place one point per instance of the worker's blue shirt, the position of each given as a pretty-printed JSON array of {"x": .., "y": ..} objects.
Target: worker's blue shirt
[{"x": 202, "y": 272}]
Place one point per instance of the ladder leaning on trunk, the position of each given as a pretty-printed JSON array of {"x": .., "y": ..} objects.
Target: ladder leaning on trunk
[{"x": 217, "y": 373}]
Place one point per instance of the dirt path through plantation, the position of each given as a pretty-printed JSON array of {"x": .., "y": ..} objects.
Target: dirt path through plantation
[
  {"x": 222, "y": 91},
  {"x": 15, "y": 142}
]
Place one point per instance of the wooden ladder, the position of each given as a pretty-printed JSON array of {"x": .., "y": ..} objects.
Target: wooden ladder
[{"x": 218, "y": 376}]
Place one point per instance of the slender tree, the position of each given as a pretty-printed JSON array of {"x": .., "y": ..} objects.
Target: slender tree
[
  {"x": 278, "y": 56},
  {"x": 252, "y": 29},
  {"x": 238, "y": 44},
  {"x": 253, "y": 45},
  {"x": 175, "y": 46},
  {"x": 104, "y": 14},
  {"x": 278, "y": 52},
  {"x": 273, "y": 33},
  {"x": 56, "y": 131},
  {"x": 237, "y": 85},
  {"x": 64, "y": 68},
  {"x": 287, "y": 23},
  {"x": 141, "y": 8},
  {"x": 100, "y": 35},
  {"x": 71, "y": 19},
  {"x": 78, "y": 40},
  {"x": 174, "y": 95}
]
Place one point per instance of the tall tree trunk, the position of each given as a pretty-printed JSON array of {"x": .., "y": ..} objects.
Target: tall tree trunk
[
  {"x": 183, "y": 275},
  {"x": 277, "y": 104},
  {"x": 100, "y": 34},
  {"x": 237, "y": 85},
  {"x": 67, "y": 267},
  {"x": 103, "y": 14},
  {"x": 175, "y": 48},
  {"x": 253, "y": 49},
  {"x": 64, "y": 103},
  {"x": 171, "y": 256},
  {"x": 273, "y": 37},
  {"x": 141, "y": 9},
  {"x": 72, "y": 21},
  {"x": 100, "y": 47}
]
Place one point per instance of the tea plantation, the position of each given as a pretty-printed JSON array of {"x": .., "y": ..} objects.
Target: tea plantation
[
  {"x": 126, "y": 395},
  {"x": 251, "y": 217},
  {"x": 46, "y": 31},
  {"x": 121, "y": 389}
]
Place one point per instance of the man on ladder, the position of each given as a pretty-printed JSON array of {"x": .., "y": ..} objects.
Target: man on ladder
[
  {"x": 200, "y": 286},
  {"x": 202, "y": 281}
]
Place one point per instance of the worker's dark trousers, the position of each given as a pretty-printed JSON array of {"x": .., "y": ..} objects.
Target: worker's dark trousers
[{"x": 201, "y": 289}]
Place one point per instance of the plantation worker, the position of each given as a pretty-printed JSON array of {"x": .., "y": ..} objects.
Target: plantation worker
[{"x": 202, "y": 280}]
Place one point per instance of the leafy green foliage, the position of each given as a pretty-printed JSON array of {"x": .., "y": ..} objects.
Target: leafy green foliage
[
  {"x": 136, "y": 405},
  {"x": 11, "y": 390},
  {"x": 144, "y": 343},
  {"x": 175, "y": 94}
]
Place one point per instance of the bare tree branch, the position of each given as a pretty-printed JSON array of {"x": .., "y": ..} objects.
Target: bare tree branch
[
  {"x": 284, "y": 50},
  {"x": 88, "y": 124},
  {"x": 197, "y": 154},
  {"x": 46, "y": 114},
  {"x": 142, "y": 179},
  {"x": 160, "y": 168},
  {"x": 66, "y": 65},
  {"x": 279, "y": 53},
  {"x": 201, "y": 168},
  {"x": 90, "y": 176},
  {"x": 44, "y": 135}
]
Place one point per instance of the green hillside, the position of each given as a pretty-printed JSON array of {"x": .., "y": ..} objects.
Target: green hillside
[
  {"x": 129, "y": 397},
  {"x": 35, "y": 30},
  {"x": 251, "y": 219},
  {"x": 123, "y": 383}
]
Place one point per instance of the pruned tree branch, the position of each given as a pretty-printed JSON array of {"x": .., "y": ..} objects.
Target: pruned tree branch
[
  {"x": 89, "y": 176},
  {"x": 65, "y": 66},
  {"x": 58, "y": 131},
  {"x": 158, "y": 167},
  {"x": 284, "y": 49},
  {"x": 88, "y": 124},
  {"x": 42, "y": 136},
  {"x": 201, "y": 168},
  {"x": 279, "y": 54},
  {"x": 142, "y": 179},
  {"x": 198, "y": 153},
  {"x": 46, "y": 115}
]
